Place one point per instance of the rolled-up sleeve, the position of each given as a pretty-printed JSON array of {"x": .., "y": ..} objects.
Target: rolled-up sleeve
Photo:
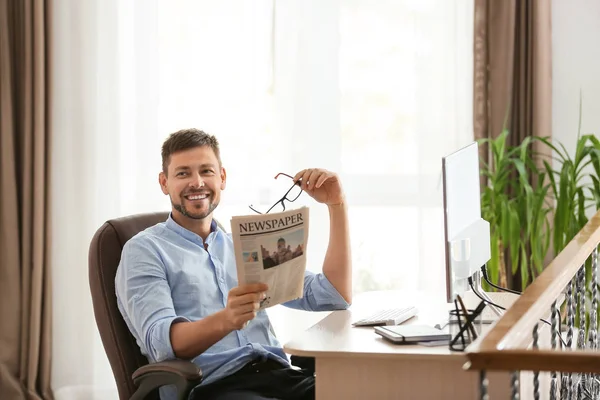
[
  {"x": 319, "y": 295},
  {"x": 145, "y": 298}
]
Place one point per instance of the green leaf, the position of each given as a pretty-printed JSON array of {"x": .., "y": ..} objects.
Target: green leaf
[
  {"x": 548, "y": 143},
  {"x": 582, "y": 219},
  {"x": 493, "y": 265},
  {"x": 523, "y": 267},
  {"x": 515, "y": 236}
]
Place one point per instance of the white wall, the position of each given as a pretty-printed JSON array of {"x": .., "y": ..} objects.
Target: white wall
[{"x": 576, "y": 68}]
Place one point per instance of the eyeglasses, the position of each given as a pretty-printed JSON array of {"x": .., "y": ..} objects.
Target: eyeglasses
[{"x": 291, "y": 195}]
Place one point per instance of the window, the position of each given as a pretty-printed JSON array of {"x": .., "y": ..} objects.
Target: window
[{"x": 376, "y": 91}]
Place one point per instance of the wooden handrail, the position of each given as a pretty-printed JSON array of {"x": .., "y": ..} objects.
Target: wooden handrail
[
  {"x": 504, "y": 347},
  {"x": 535, "y": 360}
]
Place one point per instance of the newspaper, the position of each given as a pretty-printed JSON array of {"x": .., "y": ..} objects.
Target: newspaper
[{"x": 271, "y": 248}]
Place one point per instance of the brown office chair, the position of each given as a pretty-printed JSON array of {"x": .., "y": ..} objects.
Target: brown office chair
[{"x": 129, "y": 366}]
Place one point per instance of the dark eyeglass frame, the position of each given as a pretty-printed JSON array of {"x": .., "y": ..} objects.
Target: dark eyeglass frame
[{"x": 284, "y": 198}]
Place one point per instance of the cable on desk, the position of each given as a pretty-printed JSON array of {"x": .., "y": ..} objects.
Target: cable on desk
[
  {"x": 489, "y": 282},
  {"x": 470, "y": 279}
]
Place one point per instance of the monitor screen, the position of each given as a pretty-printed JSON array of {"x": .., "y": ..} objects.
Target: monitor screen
[{"x": 466, "y": 234}]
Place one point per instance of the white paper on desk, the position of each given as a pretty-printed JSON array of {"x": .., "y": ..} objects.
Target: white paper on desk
[
  {"x": 271, "y": 248},
  {"x": 434, "y": 343}
]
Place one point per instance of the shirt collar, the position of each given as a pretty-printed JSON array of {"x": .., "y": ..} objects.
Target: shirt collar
[{"x": 186, "y": 233}]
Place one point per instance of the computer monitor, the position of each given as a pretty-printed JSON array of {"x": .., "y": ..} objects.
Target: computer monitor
[{"x": 466, "y": 234}]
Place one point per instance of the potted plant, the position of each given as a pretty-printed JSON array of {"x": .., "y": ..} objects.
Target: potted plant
[
  {"x": 569, "y": 190},
  {"x": 527, "y": 204},
  {"x": 515, "y": 203}
]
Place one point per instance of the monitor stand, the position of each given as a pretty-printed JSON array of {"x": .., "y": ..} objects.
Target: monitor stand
[
  {"x": 491, "y": 313},
  {"x": 479, "y": 290},
  {"x": 471, "y": 299}
]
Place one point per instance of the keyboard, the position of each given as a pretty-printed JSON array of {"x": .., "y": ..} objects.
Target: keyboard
[{"x": 393, "y": 316}]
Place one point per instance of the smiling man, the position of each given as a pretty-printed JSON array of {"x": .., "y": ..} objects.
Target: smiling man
[{"x": 177, "y": 283}]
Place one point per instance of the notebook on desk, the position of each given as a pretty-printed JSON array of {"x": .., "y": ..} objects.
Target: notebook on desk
[{"x": 402, "y": 334}]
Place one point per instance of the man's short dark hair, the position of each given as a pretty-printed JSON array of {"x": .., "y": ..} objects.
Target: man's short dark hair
[
  {"x": 280, "y": 240},
  {"x": 186, "y": 139}
]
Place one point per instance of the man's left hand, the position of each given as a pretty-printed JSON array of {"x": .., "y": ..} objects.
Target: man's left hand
[{"x": 322, "y": 185}]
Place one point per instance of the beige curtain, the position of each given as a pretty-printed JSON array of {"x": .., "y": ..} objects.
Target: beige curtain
[
  {"x": 25, "y": 300},
  {"x": 512, "y": 68}
]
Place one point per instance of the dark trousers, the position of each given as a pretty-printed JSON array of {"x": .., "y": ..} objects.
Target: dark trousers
[{"x": 259, "y": 384}]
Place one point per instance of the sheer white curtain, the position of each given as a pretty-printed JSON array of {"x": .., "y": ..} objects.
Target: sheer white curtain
[{"x": 377, "y": 91}]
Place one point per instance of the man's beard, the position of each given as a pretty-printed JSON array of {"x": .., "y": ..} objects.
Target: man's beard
[{"x": 195, "y": 215}]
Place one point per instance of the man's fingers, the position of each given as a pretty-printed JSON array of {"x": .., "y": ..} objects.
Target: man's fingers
[
  {"x": 312, "y": 179},
  {"x": 248, "y": 308},
  {"x": 299, "y": 175},
  {"x": 244, "y": 302},
  {"x": 321, "y": 180},
  {"x": 248, "y": 299},
  {"x": 245, "y": 318},
  {"x": 305, "y": 178}
]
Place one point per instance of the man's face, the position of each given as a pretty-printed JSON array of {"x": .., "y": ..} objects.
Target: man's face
[{"x": 194, "y": 182}]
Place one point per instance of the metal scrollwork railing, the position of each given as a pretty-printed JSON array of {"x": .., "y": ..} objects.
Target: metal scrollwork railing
[
  {"x": 483, "y": 386},
  {"x": 566, "y": 295},
  {"x": 553, "y": 340},
  {"x": 581, "y": 305},
  {"x": 536, "y": 374},
  {"x": 567, "y": 378},
  {"x": 595, "y": 387},
  {"x": 515, "y": 385}
]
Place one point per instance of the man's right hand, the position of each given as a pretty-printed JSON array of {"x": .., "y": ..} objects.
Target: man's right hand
[
  {"x": 192, "y": 338},
  {"x": 243, "y": 303}
]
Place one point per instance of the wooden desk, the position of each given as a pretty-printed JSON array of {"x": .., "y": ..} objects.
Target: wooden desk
[{"x": 356, "y": 363}]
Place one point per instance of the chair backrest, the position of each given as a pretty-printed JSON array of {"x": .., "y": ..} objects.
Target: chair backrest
[{"x": 105, "y": 253}]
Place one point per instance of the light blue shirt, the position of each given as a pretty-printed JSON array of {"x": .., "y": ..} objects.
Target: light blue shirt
[{"x": 166, "y": 275}]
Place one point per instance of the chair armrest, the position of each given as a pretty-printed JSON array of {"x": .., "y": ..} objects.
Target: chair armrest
[
  {"x": 185, "y": 369},
  {"x": 185, "y": 375}
]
